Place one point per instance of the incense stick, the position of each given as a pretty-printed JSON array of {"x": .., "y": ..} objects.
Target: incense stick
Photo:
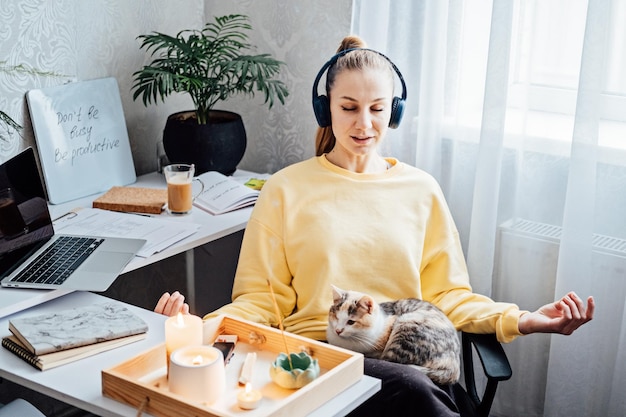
[{"x": 280, "y": 323}]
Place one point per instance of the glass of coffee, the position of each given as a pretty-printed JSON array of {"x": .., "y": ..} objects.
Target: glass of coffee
[{"x": 180, "y": 194}]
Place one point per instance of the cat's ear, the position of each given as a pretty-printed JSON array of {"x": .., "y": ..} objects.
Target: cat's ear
[
  {"x": 337, "y": 293},
  {"x": 367, "y": 303}
]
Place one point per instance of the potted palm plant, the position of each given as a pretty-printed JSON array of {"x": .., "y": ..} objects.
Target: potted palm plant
[{"x": 210, "y": 65}]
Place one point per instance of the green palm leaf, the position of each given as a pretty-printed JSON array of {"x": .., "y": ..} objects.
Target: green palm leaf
[{"x": 209, "y": 64}]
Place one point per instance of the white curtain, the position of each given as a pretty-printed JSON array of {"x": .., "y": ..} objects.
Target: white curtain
[{"x": 518, "y": 108}]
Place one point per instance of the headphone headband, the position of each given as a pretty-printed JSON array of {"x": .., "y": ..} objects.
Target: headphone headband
[{"x": 321, "y": 105}]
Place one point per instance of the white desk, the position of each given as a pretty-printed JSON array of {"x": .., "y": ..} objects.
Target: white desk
[
  {"x": 79, "y": 383},
  {"x": 212, "y": 228}
]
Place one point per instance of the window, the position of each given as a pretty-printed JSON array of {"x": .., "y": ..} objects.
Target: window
[{"x": 544, "y": 68}]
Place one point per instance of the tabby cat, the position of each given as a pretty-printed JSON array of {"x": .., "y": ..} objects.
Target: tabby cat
[{"x": 409, "y": 331}]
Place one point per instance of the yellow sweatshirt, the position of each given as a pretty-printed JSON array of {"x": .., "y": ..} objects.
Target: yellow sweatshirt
[{"x": 390, "y": 235}]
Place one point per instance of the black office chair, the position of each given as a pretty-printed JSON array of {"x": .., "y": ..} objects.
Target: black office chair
[{"x": 495, "y": 366}]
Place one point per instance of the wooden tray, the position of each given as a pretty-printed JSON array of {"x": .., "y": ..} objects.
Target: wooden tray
[{"x": 142, "y": 381}]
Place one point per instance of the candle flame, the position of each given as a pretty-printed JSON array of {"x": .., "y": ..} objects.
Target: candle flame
[
  {"x": 197, "y": 360},
  {"x": 179, "y": 320},
  {"x": 248, "y": 389}
]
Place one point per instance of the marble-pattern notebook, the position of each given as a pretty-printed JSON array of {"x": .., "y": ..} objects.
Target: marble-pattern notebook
[{"x": 53, "y": 332}]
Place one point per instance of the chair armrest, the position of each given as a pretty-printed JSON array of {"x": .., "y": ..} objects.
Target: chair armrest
[
  {"x": 495, "y": 365},
  {"x": 492, "y": 356}
]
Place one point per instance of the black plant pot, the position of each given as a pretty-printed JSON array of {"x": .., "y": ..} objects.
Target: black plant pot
[{"x": 216, "y": 146}]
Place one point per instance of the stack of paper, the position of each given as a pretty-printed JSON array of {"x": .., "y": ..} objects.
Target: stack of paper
[{"x": 158, "y": 233}]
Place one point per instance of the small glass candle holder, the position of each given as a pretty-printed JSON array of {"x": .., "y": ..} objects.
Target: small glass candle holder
[{"x": 248, "y": 398}]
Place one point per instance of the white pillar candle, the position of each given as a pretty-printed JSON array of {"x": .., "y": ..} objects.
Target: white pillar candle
[
  {"x": 197, "y": 373},
  {"x": 182, "y": 330}
]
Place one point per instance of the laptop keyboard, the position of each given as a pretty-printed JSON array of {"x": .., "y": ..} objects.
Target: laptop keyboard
[{"x": 59, "y": 260}]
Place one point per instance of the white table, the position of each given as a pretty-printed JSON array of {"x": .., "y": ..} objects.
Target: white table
[
  {"x": 212, "y": 228},
  {"x": 79, "y": 383}
]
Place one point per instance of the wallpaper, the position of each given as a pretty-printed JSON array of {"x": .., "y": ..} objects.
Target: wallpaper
[
  {"x": 304, "y": 35},
  {"x": 76, "y": 40}
]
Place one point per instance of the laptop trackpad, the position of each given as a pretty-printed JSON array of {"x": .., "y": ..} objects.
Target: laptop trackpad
[{"x": 107, "y": 261}]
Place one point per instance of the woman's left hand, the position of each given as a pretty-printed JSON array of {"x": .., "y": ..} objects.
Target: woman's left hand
[
  {"x": 171, "y": 305},
  {"x": 562, "y": 316}
]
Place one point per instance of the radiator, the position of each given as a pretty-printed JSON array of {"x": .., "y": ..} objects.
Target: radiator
[
  {"x": 524, "y": 273},
  {"x": 534, "y": 230}
]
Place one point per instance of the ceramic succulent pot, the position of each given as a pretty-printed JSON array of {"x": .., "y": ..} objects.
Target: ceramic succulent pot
[{"x": 305, "y": 369}]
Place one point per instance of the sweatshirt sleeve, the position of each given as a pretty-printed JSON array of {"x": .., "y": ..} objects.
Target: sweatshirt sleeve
[
  {"x": 261, "y": 262},
  {"x": 445, "y": 282}
]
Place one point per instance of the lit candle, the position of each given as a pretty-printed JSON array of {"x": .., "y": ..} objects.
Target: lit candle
[
  {"x": 197, "y": 373},
  {"x": 249, "y": 399},
  {"x": 182, "y": 330}
]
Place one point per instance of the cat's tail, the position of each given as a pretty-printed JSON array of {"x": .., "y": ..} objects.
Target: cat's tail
[{"x": 441, "y": 376}]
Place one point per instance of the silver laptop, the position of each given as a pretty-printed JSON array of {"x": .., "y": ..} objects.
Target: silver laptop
[{"x": 33, "y": 256}]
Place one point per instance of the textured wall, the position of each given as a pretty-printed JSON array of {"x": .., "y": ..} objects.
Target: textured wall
[
  {"x": 303, "y": 34},
  {"x": 92, "y": 39},
  {"x": 86, "y": 40}
]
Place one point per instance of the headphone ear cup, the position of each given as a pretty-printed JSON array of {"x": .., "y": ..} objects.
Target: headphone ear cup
[
  {"x": 321, "y": 108},
  {"x": 397, "y": 110}
]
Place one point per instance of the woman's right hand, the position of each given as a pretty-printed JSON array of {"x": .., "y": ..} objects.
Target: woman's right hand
[
  {"x": 170, "y": 305},
  {"x": 562, "y": 316}
]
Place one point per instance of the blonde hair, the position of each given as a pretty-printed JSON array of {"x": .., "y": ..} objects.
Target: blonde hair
[{"x": 358, "y": 59}]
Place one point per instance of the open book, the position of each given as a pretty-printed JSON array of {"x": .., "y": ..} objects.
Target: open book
[{"x": 222, "y": 194}]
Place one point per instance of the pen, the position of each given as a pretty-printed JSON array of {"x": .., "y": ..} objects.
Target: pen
[
  {"x": 69, "y": 215},
  {"x": 137, "y": 214}
]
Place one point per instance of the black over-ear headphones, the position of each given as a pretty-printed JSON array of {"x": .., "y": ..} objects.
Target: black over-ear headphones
[{"x": 321, "y": 105}]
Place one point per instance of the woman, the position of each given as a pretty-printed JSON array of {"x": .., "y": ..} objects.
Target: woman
[{"x": 352, "y": 218}]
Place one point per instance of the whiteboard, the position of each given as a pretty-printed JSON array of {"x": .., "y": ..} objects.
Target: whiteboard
[{"x": 82, "y": 138}]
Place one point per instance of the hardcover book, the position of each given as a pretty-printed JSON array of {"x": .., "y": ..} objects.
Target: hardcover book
[
  {"x": 54, "y": 359},
  {"x": 132, "y": 199},
  {"x": 86, "y": 325}
]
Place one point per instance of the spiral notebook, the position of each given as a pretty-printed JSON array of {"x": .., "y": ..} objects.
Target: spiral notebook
[{"x": 54, "y": 359}]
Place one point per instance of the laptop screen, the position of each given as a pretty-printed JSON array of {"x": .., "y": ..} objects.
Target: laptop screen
[{"x": 25, "y": 222}]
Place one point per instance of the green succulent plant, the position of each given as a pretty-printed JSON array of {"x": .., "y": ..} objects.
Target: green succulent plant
[{"x": 209, "y": 64}]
